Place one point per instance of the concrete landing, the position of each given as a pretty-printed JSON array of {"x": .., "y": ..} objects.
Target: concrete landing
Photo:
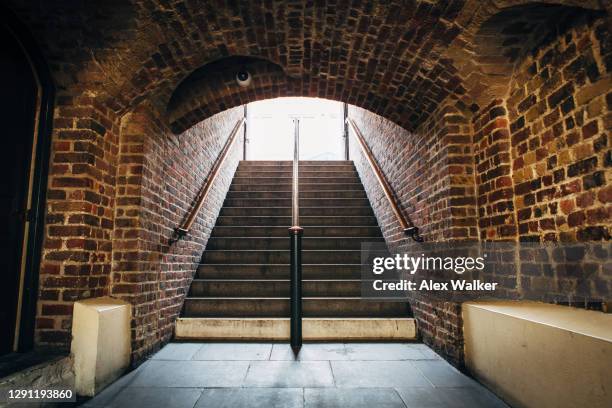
[
  {"x": 314, "y": 329},
  {"x": 355, "y": 375}
]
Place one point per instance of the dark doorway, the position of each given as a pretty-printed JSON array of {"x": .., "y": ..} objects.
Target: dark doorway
[{"x": 25, "y": 117}]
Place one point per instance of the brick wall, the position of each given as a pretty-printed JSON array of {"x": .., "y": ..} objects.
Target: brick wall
[
  {"x": 76, "y": 256},
  {"x": 431, "y": 172},
  {"x": 117, "y": 189},
  {"x": 496, "y": 213},
  {"x": 543, "y": 160},
  {"x": 159, "y": 176},
  {"x": 560, "y": 120}
]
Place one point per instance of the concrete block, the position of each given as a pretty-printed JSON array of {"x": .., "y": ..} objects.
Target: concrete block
[
  {"x": 540, "y": 355},
  {"x": 101, "y": 344}
]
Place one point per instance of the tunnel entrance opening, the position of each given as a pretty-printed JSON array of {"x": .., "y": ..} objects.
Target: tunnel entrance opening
[{"x": 270, "y": 129}]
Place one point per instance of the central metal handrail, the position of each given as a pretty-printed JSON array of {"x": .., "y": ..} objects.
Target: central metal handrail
[{"x": 295, "y": 237}]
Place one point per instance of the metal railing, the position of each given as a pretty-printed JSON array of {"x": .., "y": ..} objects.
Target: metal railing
[
  {"x": 295, "y": 237},
  {"x": 407, "y": 226},
  {"x": 210, "y": 180}
]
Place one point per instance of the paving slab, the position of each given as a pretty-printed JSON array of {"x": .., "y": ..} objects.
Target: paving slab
[
  {"x": 191, "y": 374},
  {"x": 383, "y": 352},
  {"x": 377, "y": 374},
  {"x": 352, "y": 397},
  {"x": 289, "y": 374},
  {"x": 177, "y": 351},
  {"x": 442, "y": 374},
  {"x": 251, "y": 398},
  {"x": 462, "y": 397},
  {"x": 233, "y": 351},
  {"x": 151, "y": 397},
  {"x": 311, "y": 352}
]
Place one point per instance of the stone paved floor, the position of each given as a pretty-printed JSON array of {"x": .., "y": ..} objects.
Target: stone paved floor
[{"x": 253, "y": 375}]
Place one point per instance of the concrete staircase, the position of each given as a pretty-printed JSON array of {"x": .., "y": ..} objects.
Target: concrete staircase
[{"x": 241, "y": 290}]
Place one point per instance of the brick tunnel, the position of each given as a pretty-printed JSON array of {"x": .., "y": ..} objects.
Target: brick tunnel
[{"x": 490, "y": 120}]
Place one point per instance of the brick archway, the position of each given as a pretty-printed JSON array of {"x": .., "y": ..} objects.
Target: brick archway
[{"x": 130, "y": 79}]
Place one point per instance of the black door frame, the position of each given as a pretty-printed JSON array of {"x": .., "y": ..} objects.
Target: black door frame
[{"x": 36, "y": 213}]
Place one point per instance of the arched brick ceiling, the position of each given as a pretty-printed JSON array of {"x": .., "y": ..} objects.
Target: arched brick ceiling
[
  {"x": 504, "y": 40},
  {"x": 399, "y": 59}
]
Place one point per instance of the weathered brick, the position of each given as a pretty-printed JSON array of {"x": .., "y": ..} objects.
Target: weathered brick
[
  {"x": 594, "y": 180},
  {"x": 582, "y": 167},
  {"x": 562, "y": 93}
]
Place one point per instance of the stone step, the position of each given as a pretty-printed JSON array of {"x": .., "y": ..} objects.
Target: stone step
[
  {"x": 302, "y": 194},
  {"x": 303, "y": 187},
  {"x": 277, "y": 271},
  {"x": 290, "y": 163},
  {"x": 273, "y": 288},
  {"x": 286, "y": 202},
  {"x": 282, "y": 243},
  {"x": 302, "y": 173},
  {"x": 329, "y": 179},
  {"x": 279, "y": 307},
  {"x": 304, "y": 211},
  {"x": 313, "y": 329},
  {"x": 285, "y": 221},
  {"x": 254, "y": 232},
  {"x": 288, "y": 168},
  {"x": 280, "y": 257}
]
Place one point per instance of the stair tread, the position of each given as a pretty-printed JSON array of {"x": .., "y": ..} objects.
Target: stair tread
[
  {"x": 274, "y": 280},
  {"x": 281, "y": 298},
  {"x": 304, "y": 318}
]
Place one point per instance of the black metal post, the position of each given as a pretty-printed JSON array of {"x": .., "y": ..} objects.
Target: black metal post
[{"x": 295, "y": 234}]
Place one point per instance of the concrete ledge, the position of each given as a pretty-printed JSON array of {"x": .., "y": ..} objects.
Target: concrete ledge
[
  {"x": 540, "y": 355},
  {"x": 56, "y": 372},
  {"x": 277, "y": 329}
]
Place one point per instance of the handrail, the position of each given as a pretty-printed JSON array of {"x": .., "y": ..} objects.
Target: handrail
[
  {"x": 407, "y": 226},
  {"x": 295, "y": 244},
  {"x": 210, "y": 179}
]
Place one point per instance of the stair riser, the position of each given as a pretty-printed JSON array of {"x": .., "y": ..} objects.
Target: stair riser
[
  {"x": 303, "y": 187},
  {"x": 366, "y": 233},
  {"x": 314, "y": 329},
  {"x": 282, "y": 243},
  {"x": 264, "y": 271},
  {"x": 273, "y": 289},
  {"x": 280, "y": 257},
  {"x": 304, "y": 211},
  {"x": 330, "y": 179},
  {"x": 317, "y": 307},
  {"x": 288, "y": 170},
  {"x": 287, "y": 194},
  {"x": 310, "y": 173},
  {"x": 325, "y": 163},
  {"x": 304, "y": 202},
  {"x": 254, "y": 221}
]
